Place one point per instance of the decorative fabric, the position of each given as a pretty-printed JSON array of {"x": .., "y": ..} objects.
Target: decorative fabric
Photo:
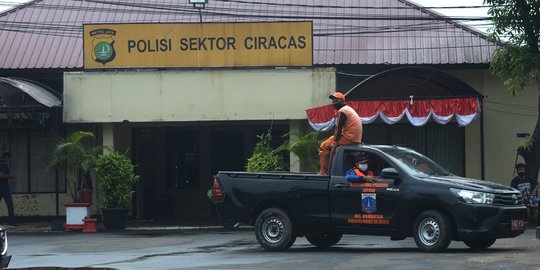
[{"x": 418, "y": 112}]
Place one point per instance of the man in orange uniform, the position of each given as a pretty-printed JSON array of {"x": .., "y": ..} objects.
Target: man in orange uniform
[{"x": 348, "y": 130}]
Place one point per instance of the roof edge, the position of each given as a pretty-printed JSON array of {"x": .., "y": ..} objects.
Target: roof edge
[{"x": 455, "y": 23}]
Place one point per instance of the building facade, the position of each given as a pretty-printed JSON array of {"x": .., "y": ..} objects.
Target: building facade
[{"x": 182, "y": 122}]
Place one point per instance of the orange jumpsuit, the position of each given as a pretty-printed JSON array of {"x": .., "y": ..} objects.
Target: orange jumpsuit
[{"x": 351, "y": 131}]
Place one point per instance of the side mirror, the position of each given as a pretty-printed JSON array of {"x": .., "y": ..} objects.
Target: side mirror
[{"x": 390, "y": 173}]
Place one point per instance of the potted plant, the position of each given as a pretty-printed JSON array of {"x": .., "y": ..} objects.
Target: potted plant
[
  {"x": 116, "y": 175},
  {"x": 264, "y": 158},
  {"x": 79, "y": 158}
]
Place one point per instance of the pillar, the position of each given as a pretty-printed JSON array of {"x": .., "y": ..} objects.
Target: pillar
[
  {"x": 294, "y": 130},
  {"x": 108, "y": 137}
]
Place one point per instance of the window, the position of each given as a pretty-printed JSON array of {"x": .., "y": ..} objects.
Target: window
[
  {"x": 30, "y": 153},
  {"x": 375, "y": 162}
]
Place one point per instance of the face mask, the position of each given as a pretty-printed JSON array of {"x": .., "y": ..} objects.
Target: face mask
[
  {"x": 362, "y": 167},
  {"x": 338, "y": 104},
  {"x": 521, "y": 174}
]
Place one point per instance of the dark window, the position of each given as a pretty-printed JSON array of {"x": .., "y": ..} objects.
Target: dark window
[{"x": 30, "y": 155}]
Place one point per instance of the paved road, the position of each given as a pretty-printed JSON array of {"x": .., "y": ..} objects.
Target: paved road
[{"x": 239, "y": 250}]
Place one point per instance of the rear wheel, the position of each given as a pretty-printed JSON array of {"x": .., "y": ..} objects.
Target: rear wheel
[
  {"x": 479, "y": 243},
  {"x": 274, "y": 230},
  {"x": 432, "y": 231},
  {"x": 324, "y": 239}
]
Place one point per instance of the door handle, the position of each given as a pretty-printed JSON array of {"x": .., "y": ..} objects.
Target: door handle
[{"x": 341, "y": 186}]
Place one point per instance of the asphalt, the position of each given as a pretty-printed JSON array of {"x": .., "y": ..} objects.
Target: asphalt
[{"x": 133, "y": 225}]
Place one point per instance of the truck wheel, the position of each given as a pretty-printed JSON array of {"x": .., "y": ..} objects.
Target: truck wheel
[
  {"x": 479, "y": 244},
  {"x": 274, "y": 230},
  {"x": 324, "y": 239},
  {"x": 432, "y": 231}
]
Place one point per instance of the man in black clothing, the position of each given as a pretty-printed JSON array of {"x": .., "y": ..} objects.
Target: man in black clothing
[
  {"x": 5, "y": 193},
  {"x": 526, "y": 185}
]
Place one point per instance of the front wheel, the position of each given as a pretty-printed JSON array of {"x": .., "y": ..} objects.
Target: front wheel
[
  {"x": 274, "y": 230},
  {"x": 324, "y": 239},
  {"x": 432, "y": 231},
  {"x": 479, "y": 244}
]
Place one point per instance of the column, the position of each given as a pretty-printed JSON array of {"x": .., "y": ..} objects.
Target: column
[
  {"x": 108, "y": 137},
  {"x": 294, "y": 130}
]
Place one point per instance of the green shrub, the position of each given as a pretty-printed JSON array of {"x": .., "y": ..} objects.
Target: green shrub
[
  {"x": 264, "y": 158},
  {"x": 116, "y": 175}
]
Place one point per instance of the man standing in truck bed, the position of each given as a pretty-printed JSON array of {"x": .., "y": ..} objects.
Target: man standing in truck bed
[{"x": 348, "y": 130}]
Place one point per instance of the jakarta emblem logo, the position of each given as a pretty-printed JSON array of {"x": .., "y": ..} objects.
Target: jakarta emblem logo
[
  {"x": 369, "y": 202},
  {"x": 103, "y": 45}
]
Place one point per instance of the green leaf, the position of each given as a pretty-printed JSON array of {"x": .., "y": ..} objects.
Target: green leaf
[{"x": 116, "y": 175}]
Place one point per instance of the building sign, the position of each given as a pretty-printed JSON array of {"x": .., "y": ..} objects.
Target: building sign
[{"x": 198, "y": 45}]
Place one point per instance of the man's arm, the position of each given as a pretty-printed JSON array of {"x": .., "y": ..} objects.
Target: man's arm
[
  {"x": 534, "y": 187},
  {"x": 341, "y": 124},
  {"x": 353, "y": 177}
]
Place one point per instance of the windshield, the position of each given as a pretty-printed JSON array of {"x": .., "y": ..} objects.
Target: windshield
[{"x": 414, "y": 162}]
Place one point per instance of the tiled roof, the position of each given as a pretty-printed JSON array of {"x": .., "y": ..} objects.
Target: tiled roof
[{"x": 48, "y": 33}]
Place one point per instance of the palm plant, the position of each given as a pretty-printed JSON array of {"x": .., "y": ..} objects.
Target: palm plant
[
  {"x": 78, "y": 158},
  {"x": 305, "y": 147}
]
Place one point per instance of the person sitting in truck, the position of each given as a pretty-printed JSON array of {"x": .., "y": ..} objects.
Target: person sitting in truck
[
  {"x": 348, "y": 163},
  {"x": 348, "y": 130},
  {"x": 360, "y": 172}
]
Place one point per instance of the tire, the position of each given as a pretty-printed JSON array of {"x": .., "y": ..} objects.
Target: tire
[
  {"x": 324, "y": 239},
  {"x": 274, "y": 230},
  {"x": 479, "y": 244},
  {"x": 432, "y": 231}
]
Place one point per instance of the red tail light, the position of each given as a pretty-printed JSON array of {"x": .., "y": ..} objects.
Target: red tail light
[{"x": 219, "y": 194}]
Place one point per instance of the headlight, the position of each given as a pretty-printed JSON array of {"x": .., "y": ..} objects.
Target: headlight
[
  {"x": 3, "y": 242},
  {"x": 470, "y": 196}
]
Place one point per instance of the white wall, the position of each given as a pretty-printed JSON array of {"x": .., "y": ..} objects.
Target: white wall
[{"x": 195, "y": 95}]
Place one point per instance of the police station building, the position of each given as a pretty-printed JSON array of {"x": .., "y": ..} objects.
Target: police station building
[{"x": 188, "y": 98}]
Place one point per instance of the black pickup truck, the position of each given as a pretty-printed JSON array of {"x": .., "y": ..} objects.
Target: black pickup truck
[{"x": 413, "y": 196}]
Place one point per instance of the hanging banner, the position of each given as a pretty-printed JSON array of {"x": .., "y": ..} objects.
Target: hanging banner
[
  {"x": 198, "y": 45},
  {"x": 419, "y": 112}
]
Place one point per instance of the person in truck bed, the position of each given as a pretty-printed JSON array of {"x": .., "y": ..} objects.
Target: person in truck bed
[{"x": 348, "y": 130}]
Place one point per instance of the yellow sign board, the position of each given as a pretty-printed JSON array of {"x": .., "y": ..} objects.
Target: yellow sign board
[{"x": 198, "y": 45}]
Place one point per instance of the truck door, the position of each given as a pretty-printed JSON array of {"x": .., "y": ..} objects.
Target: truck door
[{"x": 366, "y": 206}]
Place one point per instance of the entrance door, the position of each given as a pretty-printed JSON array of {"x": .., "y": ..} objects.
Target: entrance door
[{"x": 183, "y": 160}]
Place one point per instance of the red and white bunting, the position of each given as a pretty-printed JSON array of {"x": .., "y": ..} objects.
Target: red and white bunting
[{"x": 418, "y": 112}]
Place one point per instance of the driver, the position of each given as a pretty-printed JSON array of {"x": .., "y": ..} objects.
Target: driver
[{"x": 360, "y": 172}]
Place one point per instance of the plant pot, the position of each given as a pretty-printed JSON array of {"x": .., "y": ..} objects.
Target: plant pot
[
  {"x": 86, "y": 195},
  {"x": 115, "y": 218},
  {"x": 75, "y": 213},
  {"x": 90, "y": 225}
]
